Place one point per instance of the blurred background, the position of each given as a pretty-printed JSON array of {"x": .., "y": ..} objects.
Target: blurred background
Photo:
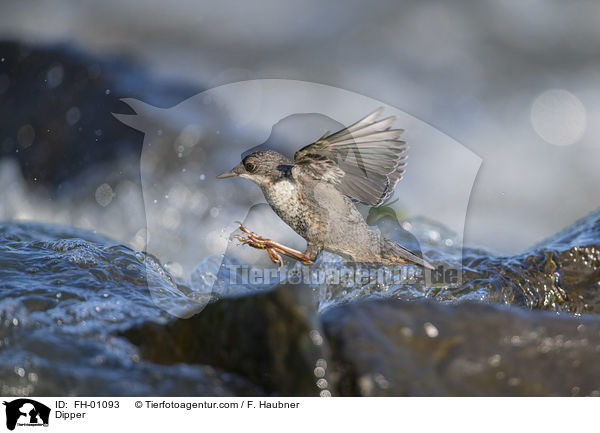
[{"x": 517, "y": 83}]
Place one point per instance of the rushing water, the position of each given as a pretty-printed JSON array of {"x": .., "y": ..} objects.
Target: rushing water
[
  {"x": 69, "y": 298},
  {"x": 65, "y": 295}
]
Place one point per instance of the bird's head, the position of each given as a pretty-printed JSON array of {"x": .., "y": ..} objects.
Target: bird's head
[{"x": 263, "y": 167}]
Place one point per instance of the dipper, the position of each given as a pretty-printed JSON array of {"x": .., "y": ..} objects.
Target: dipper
[{"x": 314, "y": 194}]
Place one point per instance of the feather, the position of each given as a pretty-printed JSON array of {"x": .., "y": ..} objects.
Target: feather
[{"x": 365, "y": 160}]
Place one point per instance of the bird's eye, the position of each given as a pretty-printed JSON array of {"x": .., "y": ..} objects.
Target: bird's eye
[{"x": 250, "y": 167}]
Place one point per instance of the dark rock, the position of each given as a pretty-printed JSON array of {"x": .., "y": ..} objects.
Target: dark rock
[
  {"x": 561, "y": 273},
  {"x": 272, "y": 338},
  {"x": 56, "y": 104},
  {"x": 422, "y": 348}
]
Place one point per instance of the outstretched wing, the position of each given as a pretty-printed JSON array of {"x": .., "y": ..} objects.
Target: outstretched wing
[{"x": 365, "y": 160}]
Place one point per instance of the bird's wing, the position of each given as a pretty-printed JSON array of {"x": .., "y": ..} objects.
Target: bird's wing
[{"x": 365, "y": 160}]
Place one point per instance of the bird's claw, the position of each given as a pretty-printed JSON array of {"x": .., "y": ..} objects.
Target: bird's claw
[{"x": 261, "y": 243}]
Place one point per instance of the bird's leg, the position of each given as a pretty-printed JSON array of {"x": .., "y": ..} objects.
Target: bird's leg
[
  {"x": 273, "y": 248},
  {"x": 312, "y": 251}
]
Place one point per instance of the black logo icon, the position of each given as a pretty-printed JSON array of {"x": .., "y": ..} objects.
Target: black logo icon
[{"x": 26, "y": 412}]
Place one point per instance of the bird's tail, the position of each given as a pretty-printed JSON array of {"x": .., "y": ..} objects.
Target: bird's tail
[{"x": 396, "y": 253}]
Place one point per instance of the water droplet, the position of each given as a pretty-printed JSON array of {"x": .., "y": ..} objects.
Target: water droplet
[
  {"x": 430, "y": 330},
  {"x": 514, "y": 381},
  {"x": 381, "y": 381},
  {"x": 558, "y": 117},
  {"x": 316, "y": 338},
  {"x": 73, "y": 115},
  {"x": 494, "y": 360},
  {"x": 433, "y": 235},
  {"x": 104, "y": 194},
  {"x": 54, "y": 76}
]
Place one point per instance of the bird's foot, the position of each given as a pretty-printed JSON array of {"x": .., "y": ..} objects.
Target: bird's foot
[
  {"x": 259, "y": 242},
  {"x": 273, "y": 248}
]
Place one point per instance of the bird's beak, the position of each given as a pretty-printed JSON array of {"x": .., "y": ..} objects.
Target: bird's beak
[
  {"x": 226, "y": 175},
  {"x": 235, "y": 171}
]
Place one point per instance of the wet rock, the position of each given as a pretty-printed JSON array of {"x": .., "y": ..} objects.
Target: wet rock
[
  {"x": 65, "y": 294},
  {"x": 70, "y": 129},
  {"x": 389, "y": 347},
  {"x": 272, "y": 338},
  {"x": 49, "y": 364},
  {"x": 562, "y": 273}
]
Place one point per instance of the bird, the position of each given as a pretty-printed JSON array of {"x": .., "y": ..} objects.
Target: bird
[{"x": 316, "y": 193}]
